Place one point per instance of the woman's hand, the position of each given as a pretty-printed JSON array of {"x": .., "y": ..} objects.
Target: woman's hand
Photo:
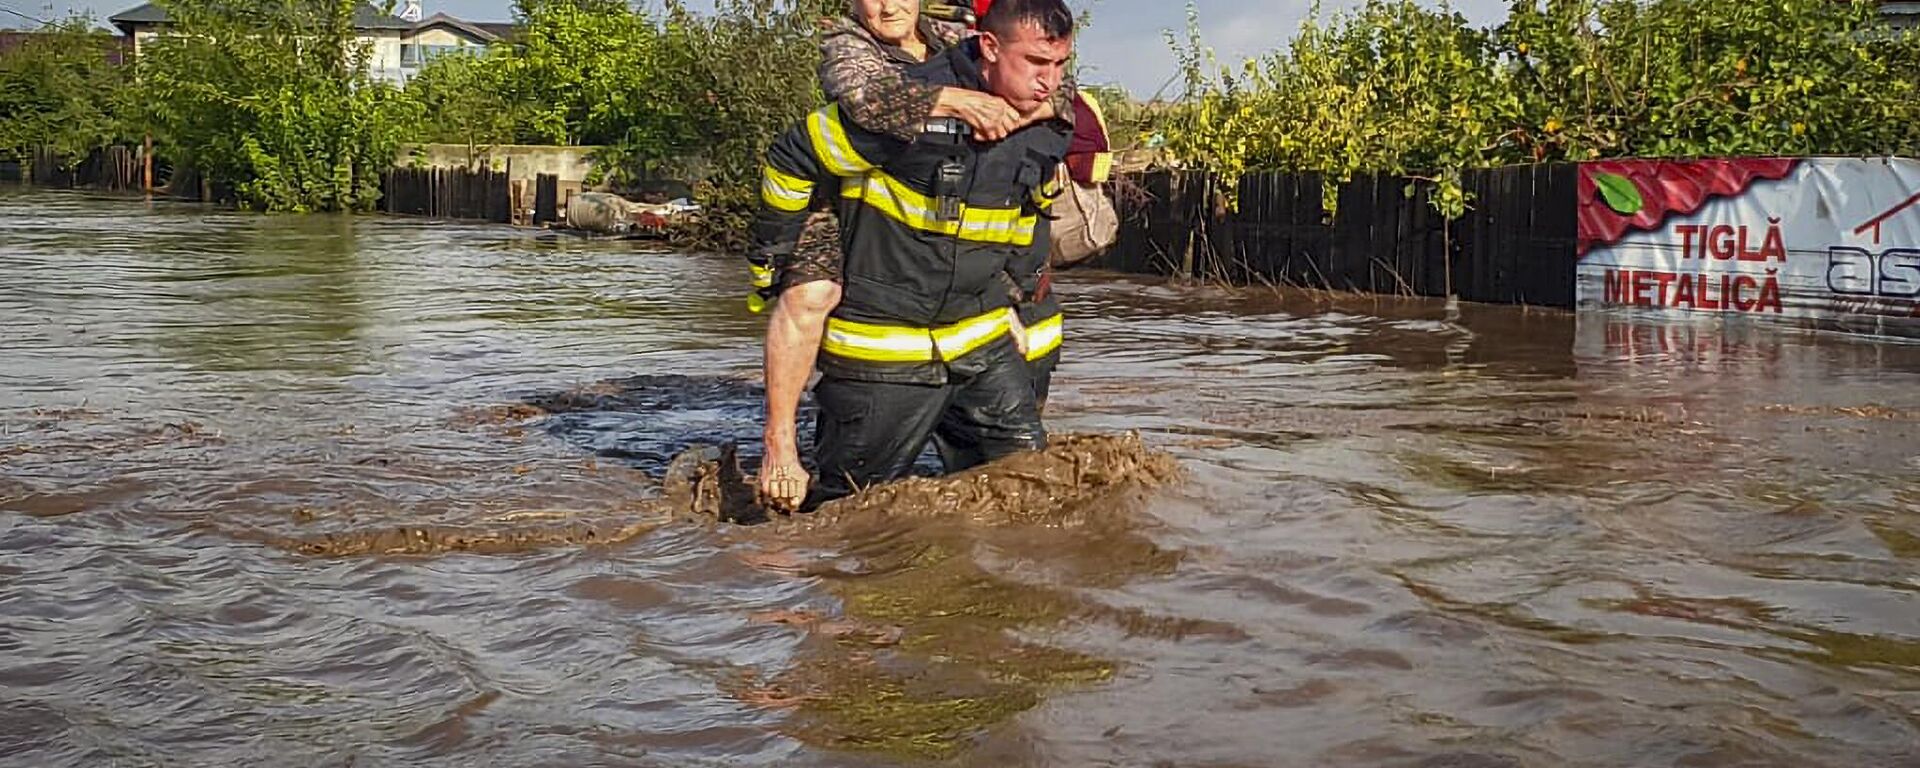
[{"x": 991, "y": 117}]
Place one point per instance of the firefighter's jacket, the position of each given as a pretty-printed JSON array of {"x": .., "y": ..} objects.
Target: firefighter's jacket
[{"x": 933, "y": 231}]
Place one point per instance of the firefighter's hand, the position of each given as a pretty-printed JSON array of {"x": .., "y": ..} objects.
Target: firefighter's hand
[
  {"x": 990, "y": 116},
  {"x": 783, "y": 483},
  {"x": 1019, "y": 332}
]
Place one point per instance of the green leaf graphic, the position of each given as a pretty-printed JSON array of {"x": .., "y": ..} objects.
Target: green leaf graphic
[{"x": 1619, "y": 193}]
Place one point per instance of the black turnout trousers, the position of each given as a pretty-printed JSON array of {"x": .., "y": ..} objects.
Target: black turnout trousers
[
  {"x": 963, "y": 454},
  {"x": 871, "y": 432}
]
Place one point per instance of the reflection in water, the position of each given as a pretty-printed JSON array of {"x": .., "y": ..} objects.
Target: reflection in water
[
  {"x": 247, "y": 298},
  {"x": 328, "y": 491}
]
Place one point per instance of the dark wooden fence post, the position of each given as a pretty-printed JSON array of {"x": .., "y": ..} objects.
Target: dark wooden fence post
[{"x": 546, "y": 199}]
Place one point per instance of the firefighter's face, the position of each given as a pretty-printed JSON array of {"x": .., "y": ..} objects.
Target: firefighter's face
[
  {"x": 892, "y": 21},
  {"x": 1025, "y": 67}
]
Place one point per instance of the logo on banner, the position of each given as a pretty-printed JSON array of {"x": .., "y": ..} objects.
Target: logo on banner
[{"x": 1890, "y": 274}]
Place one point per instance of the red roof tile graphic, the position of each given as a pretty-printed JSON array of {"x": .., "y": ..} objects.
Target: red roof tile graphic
[{"x": 1665, "y": 188}]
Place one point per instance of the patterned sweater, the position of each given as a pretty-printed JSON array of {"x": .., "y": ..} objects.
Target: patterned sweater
[{"x": 868, "y": 78}]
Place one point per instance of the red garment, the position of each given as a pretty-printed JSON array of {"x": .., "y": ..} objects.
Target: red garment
[
  {"x": 980, "y": 8},
  {"x": 1089, "y": 139}
]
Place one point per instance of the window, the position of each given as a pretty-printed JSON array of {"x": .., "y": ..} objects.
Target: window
[{"x": 415, "y": 55}]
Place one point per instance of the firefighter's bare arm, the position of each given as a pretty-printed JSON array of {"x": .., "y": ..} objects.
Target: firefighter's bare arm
[{"x": 821, "y": 149}]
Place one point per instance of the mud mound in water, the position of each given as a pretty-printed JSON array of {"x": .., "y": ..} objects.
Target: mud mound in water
[{"x": 1061, "y": 486}]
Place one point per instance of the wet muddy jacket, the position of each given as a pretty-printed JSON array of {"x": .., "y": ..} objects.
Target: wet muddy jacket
[{"x": 933, "y": 231}]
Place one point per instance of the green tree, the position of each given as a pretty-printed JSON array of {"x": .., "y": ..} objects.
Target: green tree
[
  {"x": 1391, "y": 87},
  {"x": 582, "y": 72},
  {"x": 675, "y": 93},
  {"x": 1602, "y": 78},
  {"x": 275, "y": 101},
  {"x": 735, "y": 79},
  {"x": 63, "y": 90},
  {"x": 464, "y": 101}
]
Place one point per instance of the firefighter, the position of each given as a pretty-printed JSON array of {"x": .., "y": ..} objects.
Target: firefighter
[
  {"x": 864, "y": 58},
  {"x": 942, "y": 237}
]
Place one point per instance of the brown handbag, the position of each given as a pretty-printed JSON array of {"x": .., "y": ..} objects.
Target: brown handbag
[{"x": 1087, "y": 225}]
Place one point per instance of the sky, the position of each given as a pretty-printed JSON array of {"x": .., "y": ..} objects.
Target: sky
[{"x": 1126, "y": 43}]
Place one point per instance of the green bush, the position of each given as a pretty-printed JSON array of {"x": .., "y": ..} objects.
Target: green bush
[
  {"x": 692, "y": 96},
  {"x": 1395, "y": 87},
  {"x": 61, "y": 90},
  {"x": 275, "y": 102}
]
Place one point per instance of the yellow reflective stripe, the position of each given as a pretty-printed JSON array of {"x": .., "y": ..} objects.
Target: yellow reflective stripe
[
  {"x": 1044, "y": 337},
  {"x": 879, "y": 343},
  {"x": 902, "y": 203},
  {"x": 1093, "y": 105},
  {"x": 1102, "y": 167},
  {"x": 1102, "y": 161},
  {"x": 830, "y": 143},
  {"x": 906, "y": 344},
  {"x": 762, "y": 278},
  {"x": 1044, "y": 195},
  {"x": 783, "y": 192},
  {"x": 970, "y": 334}
]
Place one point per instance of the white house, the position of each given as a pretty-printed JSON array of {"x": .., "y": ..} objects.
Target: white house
[
  {"x": 397, "y": 45},
  {"x": 441, "y": 34}
]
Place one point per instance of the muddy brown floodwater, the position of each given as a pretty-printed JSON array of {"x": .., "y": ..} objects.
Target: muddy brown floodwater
[{"x": 326, "y": 491}]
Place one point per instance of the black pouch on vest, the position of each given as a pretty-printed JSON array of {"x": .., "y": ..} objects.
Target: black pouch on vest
[
  {"x": 950, "y": 176},
  {"x": 949, "y": 188}
]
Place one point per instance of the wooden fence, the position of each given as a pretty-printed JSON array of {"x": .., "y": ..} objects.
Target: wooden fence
[
  {"x": 458, "y": 193},
  {"x": 114, "y": 168},
  {"x": 1516, "y": 245},
  {"x": 448, "y": 193}
]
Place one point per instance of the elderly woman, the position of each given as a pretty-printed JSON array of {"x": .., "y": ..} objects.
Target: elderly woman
[{"x": 864, "y": 58}]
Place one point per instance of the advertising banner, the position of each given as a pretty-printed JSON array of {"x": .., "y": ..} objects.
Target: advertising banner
[{"x": 1826, "y": 242}]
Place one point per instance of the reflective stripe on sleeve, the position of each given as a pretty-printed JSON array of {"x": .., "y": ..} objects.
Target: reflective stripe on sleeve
[
  {"x": 784, "y": 192},
  {"x": 1044, "y": 337}
]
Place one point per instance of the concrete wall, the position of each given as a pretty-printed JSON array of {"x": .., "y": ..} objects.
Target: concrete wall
[{"x": 568, "y": 163}]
